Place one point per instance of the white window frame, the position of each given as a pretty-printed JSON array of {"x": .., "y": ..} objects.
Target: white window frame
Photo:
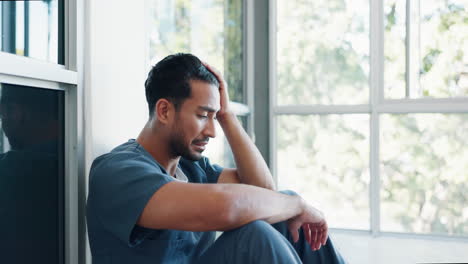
[
  {"x": 28, "y": 71},
  {"x": 377, "y": 105}
]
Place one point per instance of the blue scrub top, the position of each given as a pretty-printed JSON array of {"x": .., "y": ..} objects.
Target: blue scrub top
[{"x": 120, "y": 185}]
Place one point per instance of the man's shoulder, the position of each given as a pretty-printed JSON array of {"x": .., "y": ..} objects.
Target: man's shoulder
[{"x": 126, "y": 156}]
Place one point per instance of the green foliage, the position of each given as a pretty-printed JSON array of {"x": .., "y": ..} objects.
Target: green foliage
[
  {"x": 325, "y": 158},
  {"x": 390, "y": 18},
  {"x": 429, "y": 60},
  {"x": 320, "y": 55},
  {"x": 424, "y": 172},
  {"x": 233, "y": 55}
]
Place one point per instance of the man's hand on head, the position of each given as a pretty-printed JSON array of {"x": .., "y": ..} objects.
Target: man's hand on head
[
  {"x": 223, "y": 93},
  {"x": 251, "y": 168}
]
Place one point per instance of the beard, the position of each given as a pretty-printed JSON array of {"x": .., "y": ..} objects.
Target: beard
[{"x": 178, "y": 147}]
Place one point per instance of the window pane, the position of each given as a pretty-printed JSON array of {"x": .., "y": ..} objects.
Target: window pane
[
  {"x": 394, "y": 48},
  {"x": 424, "y": 172},
  {"x": 184, "y": 26},
  {"x": 323, "y": 52},
  {"x": 31, "y": 175},
  {"x": 438, "y": 49},
  {"x": 326, "y": 159},
  {"x": 33, "y": 28}
]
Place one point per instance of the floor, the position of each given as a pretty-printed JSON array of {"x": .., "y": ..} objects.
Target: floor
[{"x": 364, "y": 249}]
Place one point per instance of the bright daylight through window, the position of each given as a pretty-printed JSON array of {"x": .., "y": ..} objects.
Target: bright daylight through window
[{"x": 384, "y": 156}]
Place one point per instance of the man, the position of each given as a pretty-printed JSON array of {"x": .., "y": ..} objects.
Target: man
[{"x": 156, "y": 199}]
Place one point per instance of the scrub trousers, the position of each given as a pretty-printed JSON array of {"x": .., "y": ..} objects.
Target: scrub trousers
[{"x": 261, "y": 243}]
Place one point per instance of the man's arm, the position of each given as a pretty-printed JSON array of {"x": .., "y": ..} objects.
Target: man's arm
[
  {"x": 251, "y": 167},
  {"x": 206, "y": 207}
]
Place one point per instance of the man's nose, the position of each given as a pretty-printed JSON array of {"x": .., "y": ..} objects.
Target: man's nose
[{"x": 210, "y": 129}]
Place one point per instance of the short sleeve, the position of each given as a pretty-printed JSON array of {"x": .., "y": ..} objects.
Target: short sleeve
[
  {"x": 212, "y": 171},
  {"x": 120, "y": 187}
]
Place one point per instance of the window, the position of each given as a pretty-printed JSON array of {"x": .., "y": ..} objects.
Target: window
[
  {"x": 370, "y": 112},
  {"x": 425, "y": 49},
  {"x": 39, "y": 109},
  {"x": 33, "y": 29},
  {"x": 217, "y": 38},
  {"x": 32, "y": 174}
]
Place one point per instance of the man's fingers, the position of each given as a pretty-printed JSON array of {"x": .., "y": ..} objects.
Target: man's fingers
[
  {"x": 325, "y": 234},
  {"x": 218, "y": 75},
  {"x": 213, "y": 70},
  {"x": 314, "y": 238},
  {"x": 306, "y": 231},
  {"x": 294, "y": 230},
  {"x": 317, "y": 235}
]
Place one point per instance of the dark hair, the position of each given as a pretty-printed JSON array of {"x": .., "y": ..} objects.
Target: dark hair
[{"x": 170, "y": 79}]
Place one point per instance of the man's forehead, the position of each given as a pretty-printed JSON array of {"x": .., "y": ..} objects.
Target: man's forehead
[
  {"x": 207, "y": 108},
  {"x": 204, "y": 96}
]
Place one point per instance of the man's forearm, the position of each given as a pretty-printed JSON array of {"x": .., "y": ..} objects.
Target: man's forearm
[
  {"x": 206, "y": 207},
  {"x": 248, "y": 203},
  {"x": 251, "y": 167}
]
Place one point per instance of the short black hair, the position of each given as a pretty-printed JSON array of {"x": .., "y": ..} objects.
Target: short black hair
[{"x": 170, "y": 79}]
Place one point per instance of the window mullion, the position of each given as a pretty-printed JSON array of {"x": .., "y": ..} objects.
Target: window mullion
[
  {"x": 375, "y": 98},
  {"x": 408, "y": 71},
  {"x": 272, "y": 37}
]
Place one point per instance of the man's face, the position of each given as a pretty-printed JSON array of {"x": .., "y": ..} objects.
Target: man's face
[{"x": 194, "y": 123}]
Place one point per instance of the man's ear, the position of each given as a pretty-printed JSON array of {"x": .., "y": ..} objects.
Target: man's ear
[{"x": 164, "y": 111}]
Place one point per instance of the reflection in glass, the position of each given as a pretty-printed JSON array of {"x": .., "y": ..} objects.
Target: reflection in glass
[
  {"x": 33, "y": 29},
  {"x": 424, "y": 172},
  {"x": 437, "y": 63},
  {"x": 325, "y": 158},
  {"x": 323, "y": 51},
  {"x": 31, "y": 175},
  {"x": 184, "y": 26}
]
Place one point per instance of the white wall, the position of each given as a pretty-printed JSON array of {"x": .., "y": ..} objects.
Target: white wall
[{"x": 115, "y": 71}]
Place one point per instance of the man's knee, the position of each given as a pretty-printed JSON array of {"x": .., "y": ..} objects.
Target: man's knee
[
  {"x": 257, "y": 227},
  {"x": 257, "y": 232},
  {"x": 261, "y": 241}
]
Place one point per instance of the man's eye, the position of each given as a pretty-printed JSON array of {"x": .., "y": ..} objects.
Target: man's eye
[{"x": 202, "y": 116}]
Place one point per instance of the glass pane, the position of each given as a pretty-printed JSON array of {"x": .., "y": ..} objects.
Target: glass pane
[
  {"x": 323, "y": 51},
  {"x": 31, "y": 175},
  {"x": 183, "y": 26},
  {"x": 325, "y": 158},
  {"x": 394, "y": 49},
  {"x": 438, "y": 50},
  {"x": 33, "y": 29},
  {"x": 424, "y": 172}
]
